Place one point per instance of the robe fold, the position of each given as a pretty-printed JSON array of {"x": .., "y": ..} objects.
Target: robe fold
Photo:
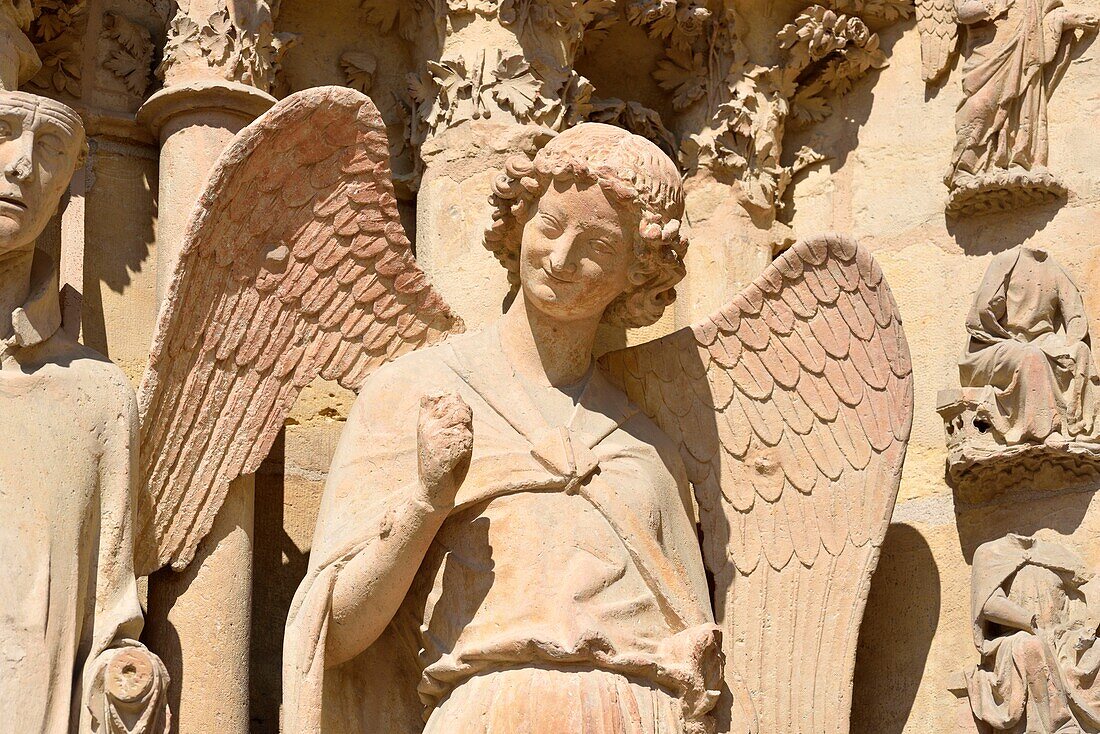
[
  {"x": 572, "y": 547},
  {"x": 68, "y": 596},
  {"x": 1029, "y": 340}
]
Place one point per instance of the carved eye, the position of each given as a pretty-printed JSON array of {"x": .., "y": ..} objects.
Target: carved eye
[
  {"x": 50, "y": 145},
  {"x": 549, "y": 223},
  {"x": 602, "y": 246},
  {"x": 6, "y": 131}
]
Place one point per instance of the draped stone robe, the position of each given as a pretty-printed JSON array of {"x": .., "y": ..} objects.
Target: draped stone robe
[
  {"x": 572, "y": 545},
  {"x": 1041, "y": 681},
  {"x": 68, "y": 597},
  {"x": 1029, "y": 340},
  {"x": 1016, "y": 52}
]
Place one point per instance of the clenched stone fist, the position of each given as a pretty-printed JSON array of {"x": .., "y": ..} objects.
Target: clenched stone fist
[{"x": 445, "y": 442}]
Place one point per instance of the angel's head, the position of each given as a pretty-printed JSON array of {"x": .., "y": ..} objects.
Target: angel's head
[
  {"x": 41, "y": 142},
  {"x": 592, "y": 224}
]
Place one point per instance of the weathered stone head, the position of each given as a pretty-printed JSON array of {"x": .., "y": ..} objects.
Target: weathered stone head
[
  {"x": 592, "y": 222},
  {"x": 41, "y": 143}
]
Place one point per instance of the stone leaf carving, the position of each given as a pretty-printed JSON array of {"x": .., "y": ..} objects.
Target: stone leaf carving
[
  {"x": 828, "y": 46},
  {"x": 322, "y": 282},
  {"x": 1030, "y": 387},
  {"x": 408, "y": 17},
  {"x": 70, "y": 615},
  {"x": 1016, "y": 53},
  {"x": 635, "y": 117},
  {"x": 792, "y": 408},
  {"x": 359, "y": 68},
  {"x": 130, "y": 54},
  {"x": 230, "y": 42},
  {"x": 1034, "y": 608},
  {"x": 57, "y": 33}
]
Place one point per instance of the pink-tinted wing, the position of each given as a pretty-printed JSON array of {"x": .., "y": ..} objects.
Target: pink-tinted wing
[
  {"x": 792, "y": 407},
  {"x": 295, "y": 265}
]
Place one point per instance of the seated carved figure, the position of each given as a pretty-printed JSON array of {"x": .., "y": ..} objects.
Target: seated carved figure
[
  {"x": 1034, "y": 607},
  {"x": 69, "y": 609},
  {"x": 1029, "y": 341}
]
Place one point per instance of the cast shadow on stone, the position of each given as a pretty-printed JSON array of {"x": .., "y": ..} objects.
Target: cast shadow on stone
[
  {"x": 902, "y": 613},
  {"x": 112, "y": 256},
  {"x": 838, "y": 135},
  {"x": 1023, "y": 512},
  {"x": 989, "y": 234},
  {"x": 279, "y": 568}
]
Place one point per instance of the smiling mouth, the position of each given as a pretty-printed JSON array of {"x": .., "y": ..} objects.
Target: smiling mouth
[{"x": 12, "y": 201}]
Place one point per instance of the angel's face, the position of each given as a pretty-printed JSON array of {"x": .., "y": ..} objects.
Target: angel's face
[
  {"x": 575, "y": 255},
  {"x": 39, "y": 147}
]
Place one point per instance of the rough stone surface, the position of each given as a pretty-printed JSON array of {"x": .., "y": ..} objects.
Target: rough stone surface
[{"x": 777, "y": 145}]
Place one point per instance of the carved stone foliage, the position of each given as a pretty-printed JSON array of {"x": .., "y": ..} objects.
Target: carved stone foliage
[
  {"x": 57, "y": 32},
  {"x": 227, "y": 44},
  {"x": 1030, "y": 392},
  {"x": 1016, "y": 52},
  {"x": 747, "y": 106},
  {"x": 127, "y": 53},
  {"x": 1034, "y": 607}
]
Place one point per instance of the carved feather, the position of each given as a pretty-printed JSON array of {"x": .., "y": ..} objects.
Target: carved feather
[
  {"x": 796, "y": 472},
  {"x": 938, "y": 26},
  {"x": 294, "y": 266}
]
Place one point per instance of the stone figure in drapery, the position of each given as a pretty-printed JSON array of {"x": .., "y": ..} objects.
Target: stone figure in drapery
[
  {"x": 1016, "y": 52},
  {"x": 504, "y": 516},
  {"x": 69, "y": 611},
  {"x": 1035, "y": 612},
  {"x": 1029, "y": 341}
]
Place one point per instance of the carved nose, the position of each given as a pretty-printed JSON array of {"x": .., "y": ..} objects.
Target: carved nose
[{"x": 19, "y": 169}]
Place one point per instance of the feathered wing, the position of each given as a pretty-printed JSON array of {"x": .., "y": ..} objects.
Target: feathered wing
[
  {"x": 938, "y": 26},
  {"x": 295, "y": 265},
  {"x": 792, "y": 408}
]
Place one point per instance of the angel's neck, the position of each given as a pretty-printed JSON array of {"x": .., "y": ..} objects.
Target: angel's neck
[
  {"x": 15, "y": 285},
  {"x": 544, "y": 349}
]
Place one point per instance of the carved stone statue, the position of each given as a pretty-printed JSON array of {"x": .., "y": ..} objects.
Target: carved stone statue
[
  {"x": 508, "y": 537},
  {"x": 1029, "y": 379},
  {"x": 1016, "y": 54},
  {"x": 1029, "y": 341},
  {"x": 69, "y": 611},
  {"x": 1035, "y": 610}
]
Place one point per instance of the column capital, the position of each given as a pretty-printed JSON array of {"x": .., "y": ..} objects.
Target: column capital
[
  {"x": 163, "y": 112},
  {"x": 231, "y": 40}
]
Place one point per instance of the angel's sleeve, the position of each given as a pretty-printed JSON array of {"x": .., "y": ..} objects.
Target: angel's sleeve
[{"x": 367, "y": 508}]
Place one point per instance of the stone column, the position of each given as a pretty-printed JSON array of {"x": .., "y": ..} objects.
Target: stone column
[
  {"x": 492, "y": 83},
  {"x": 214, "y": 84}
]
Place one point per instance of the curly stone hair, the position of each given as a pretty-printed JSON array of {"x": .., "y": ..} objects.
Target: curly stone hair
[{"x": 631, "y": 171}]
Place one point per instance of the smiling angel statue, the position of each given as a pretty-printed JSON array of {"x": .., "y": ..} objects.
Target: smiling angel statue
[{"x": 509, "y": 540}]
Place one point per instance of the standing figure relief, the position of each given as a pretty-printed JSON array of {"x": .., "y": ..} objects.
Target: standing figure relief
[
  {"x": 1016, "y": 52},
  {"x": 70, "y": 616},
  {"x": 507, "y": 536}
]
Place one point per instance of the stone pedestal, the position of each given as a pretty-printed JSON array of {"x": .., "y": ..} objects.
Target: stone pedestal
[
  {"x": 981, "y": 463},
  {"x": 203, "y": 615}
]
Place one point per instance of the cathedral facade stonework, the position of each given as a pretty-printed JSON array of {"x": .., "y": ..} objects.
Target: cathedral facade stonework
[{"x": 549, "y": 366}]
